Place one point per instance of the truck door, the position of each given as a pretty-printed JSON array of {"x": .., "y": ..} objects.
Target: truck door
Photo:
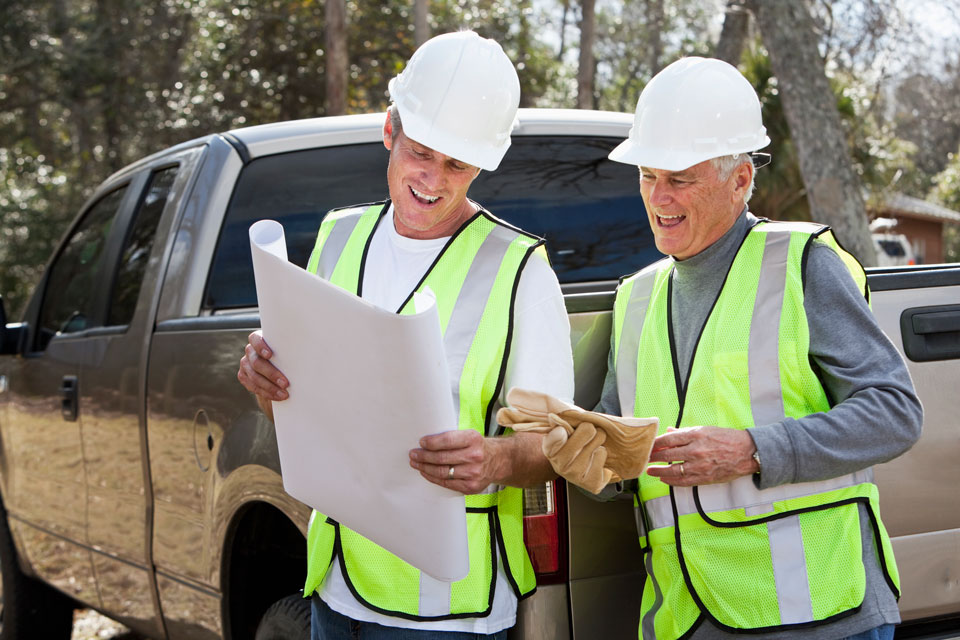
[
  {"x": 919, "y": 309},
  {"x": 46, "y": 489},
  {"x": 111, "y": 408}
]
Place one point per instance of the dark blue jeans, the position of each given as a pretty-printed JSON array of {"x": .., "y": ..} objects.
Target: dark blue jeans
[
  {"x": 327, "y": 624},
  {"x": 883, "y": 632}
]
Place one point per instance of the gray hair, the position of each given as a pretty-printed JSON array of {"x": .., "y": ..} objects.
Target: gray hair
[
  {"x": 725, "y": 165},
  {"x": 394, "y": 114}
]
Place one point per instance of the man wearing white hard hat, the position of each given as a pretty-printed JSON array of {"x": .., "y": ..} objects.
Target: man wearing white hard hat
[
  {"x": 504, "y": 325},
  {"x": 754, "y": 344}
]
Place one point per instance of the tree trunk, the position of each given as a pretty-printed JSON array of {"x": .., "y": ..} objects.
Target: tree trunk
[
  {"x": 563, "y": 29},
  {"x": 421, "y": 30},
  {"x": 588, "y": 24},
  {"x": 833, "y": 187},
  {"x": 656, "y": 19},
  {"x": 336, "y": 68},
  {"x": 736, "y": 26}
]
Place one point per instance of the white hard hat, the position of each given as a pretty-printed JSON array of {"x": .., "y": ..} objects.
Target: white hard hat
[
  {"x": 693, "y": 110},
  {"x": 459, "y": 95}
]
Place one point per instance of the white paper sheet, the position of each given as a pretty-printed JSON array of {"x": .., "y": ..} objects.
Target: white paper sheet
[{"x": 365, "y": 385}]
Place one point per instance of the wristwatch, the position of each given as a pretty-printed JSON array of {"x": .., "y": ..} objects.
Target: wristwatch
[{"x": 756, "y": 457}]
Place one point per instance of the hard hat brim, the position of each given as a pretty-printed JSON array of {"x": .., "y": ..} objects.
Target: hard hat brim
[{"x": 629, "y": 152}]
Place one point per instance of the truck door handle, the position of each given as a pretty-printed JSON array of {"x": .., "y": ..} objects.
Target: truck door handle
[
  {"x": 931, "y": 333},
  {"x": 68, "y": 398}
]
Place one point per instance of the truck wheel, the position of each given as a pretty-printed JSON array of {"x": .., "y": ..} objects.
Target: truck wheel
[
  {"x": 286, "y": 619},
  {"x": 28, "y": 609}
]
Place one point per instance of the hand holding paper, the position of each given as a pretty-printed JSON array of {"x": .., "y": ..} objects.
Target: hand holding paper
[
  {"x": 331, "y": 345},
  {"x": 587, "y": 448}
]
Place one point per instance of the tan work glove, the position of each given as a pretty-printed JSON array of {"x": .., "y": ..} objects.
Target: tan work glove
[{"x": 587, "y": 448}]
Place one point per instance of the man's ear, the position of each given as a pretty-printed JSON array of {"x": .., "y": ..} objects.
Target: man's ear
[
  {"x": 388, "y": 133},
  {"x": 742, "y": 177}
]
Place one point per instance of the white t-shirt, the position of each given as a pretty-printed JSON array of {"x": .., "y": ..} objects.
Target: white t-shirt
[{"x": 540, "y": 359}]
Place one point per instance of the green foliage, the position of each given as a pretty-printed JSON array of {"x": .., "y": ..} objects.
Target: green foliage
[
  {"x": 946, "y": 191},
  {"x": 780, "y": 193},
  {"x": 635, "y": 41},
  {"x": 87, "y": 86}
]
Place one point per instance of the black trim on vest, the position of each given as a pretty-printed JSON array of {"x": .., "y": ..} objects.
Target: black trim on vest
[
  {"x": 366, "y": 247},
  {"x": 693, "y": 628},
  {"x": 506, "y": 563},
  {"x": 878, "y": 544},
  {"x": 503, "y": 223},
  {"x": 682, "y": 390},
  {"x": 508, "y": 343},
  {"x": 496, "y": 538},
  {"x": 490, "y": 511},
  {"x": 646, "y": 523},
  {"x": 706, "y": 612},
  {"x": 866, "y": 287},
  {"x": 362, "y": 205},
  {"x": 440, "y": 255},
  {"x": 682, "y": 386}
]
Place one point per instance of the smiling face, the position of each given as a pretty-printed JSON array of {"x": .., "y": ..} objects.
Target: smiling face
[
  {"x": 689, "y": 210},
  {"x": 428, "y": 189}
]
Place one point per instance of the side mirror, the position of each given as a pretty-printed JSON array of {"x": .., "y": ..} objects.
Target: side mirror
[{"x": 11, "y": 335}]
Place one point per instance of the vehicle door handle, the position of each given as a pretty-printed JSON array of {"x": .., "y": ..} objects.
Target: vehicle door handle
[
  {"x": 68, "y": 398},
  {"x": 931, "y": 333}
]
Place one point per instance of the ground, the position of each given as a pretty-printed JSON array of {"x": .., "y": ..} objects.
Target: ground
[{"x": 90, "y": 625}]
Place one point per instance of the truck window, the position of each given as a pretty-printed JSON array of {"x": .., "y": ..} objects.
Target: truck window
[
  {"x": 296, "y": 189},
  {"x": 137, "y": 246},
  {"x": 587, "y": 207},
  {"x": 69, "y": 294},
  {"x": 562, "y": 188}
]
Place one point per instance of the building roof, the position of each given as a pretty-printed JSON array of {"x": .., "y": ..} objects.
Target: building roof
[{"x": 909, "y": 207}]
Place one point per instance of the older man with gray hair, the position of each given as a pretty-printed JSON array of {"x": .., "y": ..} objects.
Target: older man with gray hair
[{"x": 776, "y": 390}]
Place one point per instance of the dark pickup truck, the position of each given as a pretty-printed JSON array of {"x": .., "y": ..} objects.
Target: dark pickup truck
[{"x": 138, "y": 478}]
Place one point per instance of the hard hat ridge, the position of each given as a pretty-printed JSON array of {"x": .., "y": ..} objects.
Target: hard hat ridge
[{"x": 459, "y": 95}]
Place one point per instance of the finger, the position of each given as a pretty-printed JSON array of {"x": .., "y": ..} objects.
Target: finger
[
  {"x": 257, "y": 384},
  {"x": 439, "y": 461},
  {"x": 454, "y": 439},
  {"x": 595, "y": 464},
  {"x": 265, "y": 368},
  {"x": 674, "y": 438},
  {"x": 259, "y": 345},
  {"x": 672, "y": 475},
  {"x": 583, "y": 441},
  {"x": 553, "y": 441},
  {"x": 466, "y": 487}
]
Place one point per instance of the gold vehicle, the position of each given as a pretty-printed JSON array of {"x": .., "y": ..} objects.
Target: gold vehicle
[{"x": 138, "y": 478}]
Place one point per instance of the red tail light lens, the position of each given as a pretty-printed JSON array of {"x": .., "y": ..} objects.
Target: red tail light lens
[{"x": 544, "y": 531}]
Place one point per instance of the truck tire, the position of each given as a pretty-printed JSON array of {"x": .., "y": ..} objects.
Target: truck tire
[
  {"x": 28, "y": 609},
  {"x": 286, "y": 619}
]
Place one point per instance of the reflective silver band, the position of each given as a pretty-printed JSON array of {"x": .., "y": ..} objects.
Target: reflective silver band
[
  {"x": 742, "y": 493},
  {"x": 434, "y": 597},
  {"x": 336, "y": 241},
  {"x": 766, "y": 396},
  {"x": 630, "y": 339},
  {"x": 790, "y": 570},
  {"x": 638, "y": 519},
  {"x": 470, "y": 305},
  {"x": 647, "y": 623}
]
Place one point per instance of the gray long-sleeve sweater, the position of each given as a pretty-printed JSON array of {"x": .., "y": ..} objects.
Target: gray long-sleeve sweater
[{"x": 876, "y": 415}]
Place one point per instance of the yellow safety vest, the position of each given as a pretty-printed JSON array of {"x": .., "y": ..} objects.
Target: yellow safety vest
[
  {"x": 474, "y": 279},
  {"x": 787, "y": 557}
]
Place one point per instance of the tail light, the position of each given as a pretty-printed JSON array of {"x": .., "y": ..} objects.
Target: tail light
[{"x": 545, "y": 530}]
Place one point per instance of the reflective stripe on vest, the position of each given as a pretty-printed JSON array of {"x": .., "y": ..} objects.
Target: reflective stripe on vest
[
  {"x": 738, "y": 504},
  {"x": 474, "y": 280}
]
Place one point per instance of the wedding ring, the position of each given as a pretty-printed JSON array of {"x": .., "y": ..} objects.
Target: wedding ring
[{"x": 450, "y": 473}]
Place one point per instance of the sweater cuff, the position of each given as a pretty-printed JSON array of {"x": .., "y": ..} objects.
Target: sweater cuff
[{"x": 776, "y": 454}]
